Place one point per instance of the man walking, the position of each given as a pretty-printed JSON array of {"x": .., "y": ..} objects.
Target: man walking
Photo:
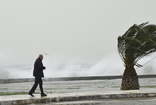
[{"x": 38, "y": 74}]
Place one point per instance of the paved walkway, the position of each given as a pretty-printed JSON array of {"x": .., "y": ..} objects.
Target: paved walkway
[
  {"x": 59, "y": 91},
  {"x": 59, "y": 87},
  {"x": 26, "y": 99}
]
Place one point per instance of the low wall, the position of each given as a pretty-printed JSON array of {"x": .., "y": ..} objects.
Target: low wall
[{"x": 70, "y": 78}]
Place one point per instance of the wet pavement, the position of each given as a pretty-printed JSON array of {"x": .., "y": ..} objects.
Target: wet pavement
[
  {"x": 81, "y": 97},
  {"x": 74, "y": 86},
  {"x": 60, "y": 88},
  {"x": 136, "y": 101},
  {"x": 63, "y": 86}
]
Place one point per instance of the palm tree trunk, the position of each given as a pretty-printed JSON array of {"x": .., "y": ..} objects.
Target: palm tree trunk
[{"x": 130, "y": 80}]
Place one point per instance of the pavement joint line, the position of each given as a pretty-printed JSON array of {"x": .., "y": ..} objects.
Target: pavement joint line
[{"x": 26, "y": 99}]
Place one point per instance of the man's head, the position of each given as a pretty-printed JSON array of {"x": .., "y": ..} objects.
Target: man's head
[{"x": 40, "y": 56}]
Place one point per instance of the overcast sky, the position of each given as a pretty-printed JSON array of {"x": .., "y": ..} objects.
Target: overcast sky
[{"x": 83, "y": 31}]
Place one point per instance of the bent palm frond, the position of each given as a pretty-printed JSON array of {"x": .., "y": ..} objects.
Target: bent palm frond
[{"x": 137, "y": 42}]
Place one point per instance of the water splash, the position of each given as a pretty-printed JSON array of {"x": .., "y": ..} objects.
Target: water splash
[{"x": 109, "y": 65}]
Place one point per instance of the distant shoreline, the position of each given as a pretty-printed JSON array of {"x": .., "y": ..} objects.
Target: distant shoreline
[{"x": 19, "y": 80}]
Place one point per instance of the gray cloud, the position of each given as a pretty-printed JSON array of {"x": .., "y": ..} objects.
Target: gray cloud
[{"x": 80, "y": 30}]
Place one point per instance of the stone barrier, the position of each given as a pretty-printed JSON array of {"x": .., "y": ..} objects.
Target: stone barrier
[{"x": 70, "y": 78}]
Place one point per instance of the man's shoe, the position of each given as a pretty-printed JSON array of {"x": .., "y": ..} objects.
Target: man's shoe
[
  {"x": 43, "y": 95},
  {"x": 31, "y": 94}
]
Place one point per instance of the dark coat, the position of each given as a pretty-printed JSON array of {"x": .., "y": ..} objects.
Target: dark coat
[{"x": 38, "y": 68}]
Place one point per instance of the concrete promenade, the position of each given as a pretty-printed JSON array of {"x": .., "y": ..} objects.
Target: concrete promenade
[
  {"x": 26, "y": 99},
  {"x": 15, "y": 93}
]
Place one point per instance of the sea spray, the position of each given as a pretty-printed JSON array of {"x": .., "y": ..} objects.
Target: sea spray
[
  {"x": 109, "y": 65},
  {"x": 3, "y": 65}
]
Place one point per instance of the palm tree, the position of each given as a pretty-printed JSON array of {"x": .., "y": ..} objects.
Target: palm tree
[{"x": 137, "y": 42}]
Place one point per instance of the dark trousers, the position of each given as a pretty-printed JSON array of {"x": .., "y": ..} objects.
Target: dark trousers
[{"x": 38, "y": 80}]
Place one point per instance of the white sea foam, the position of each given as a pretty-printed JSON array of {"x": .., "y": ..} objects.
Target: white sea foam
[{"x": 109, "y": 65}]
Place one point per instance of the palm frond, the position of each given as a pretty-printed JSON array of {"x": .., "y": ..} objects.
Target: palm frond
[{"x": 137, "y": 42}]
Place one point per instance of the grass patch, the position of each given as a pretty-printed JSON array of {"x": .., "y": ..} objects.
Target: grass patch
[
  {"x": 62, "y": 92},
  {"x": 110, "y": 87},
  {"x": 150, "y": 86},
  {"x": 12, "y": 93},
  {"x": 3, "y": 88},
  {"x": 101, "y": 87},
  {"x": 116, "y": 87},
  {"x": 74, "y": 88},
  {"x": 51, "y": 88}
]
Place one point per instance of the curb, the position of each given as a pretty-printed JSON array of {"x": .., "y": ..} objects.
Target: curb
[{"x": 79, "y": 97}]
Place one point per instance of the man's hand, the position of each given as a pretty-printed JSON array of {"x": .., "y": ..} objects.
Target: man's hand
[{"x": 44, "y": 68}]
